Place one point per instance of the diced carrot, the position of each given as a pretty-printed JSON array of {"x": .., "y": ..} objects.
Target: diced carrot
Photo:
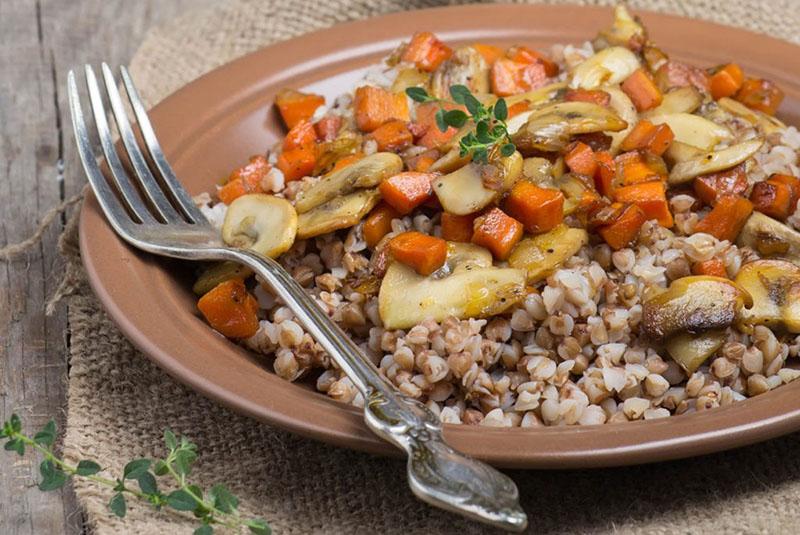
[
  {"x": 392, "y": 136},
  {"x": 598, "y": 141},
  {"x": 297, "y": 163},
  {"x": 378, "y": 223},
  {"x": 624, "y": 229},
  {"x": 458, "y": 227},
  {"x": 422, "y": 162},
  {"x": 295, "y": 106},
  {"x": 580, "y": 159},
  {"x": 678, "y": 74},
  {"x": 632, "y": 169},
  {"x": 732, "y": 181},
  {"x": 375, "y": 106},
  {"x": 230, "y": 309},
  {"x": 517, "y": 108},
  {"x": 713, "y": 267},
  {"x": 426, "y": 51},
  {"x": 761, "y": 95},
  {"x": 300, "y": 135},
  {"x": 605, "y": 174},
  {"x": 426, "y": 121},
  {"x": 328, "y": 127},
  {"x": 405, "y": 191},
  {"x": 647, "y": 136},
  {"x": 523, "y": 54},
  {"x": 642, "y": 90},
  {"x": 424, "y": 253},
  {"x": 772, "y": 198},
  {"x": 592, "y": 96},
  {"x": 661, "y": 140},
  {"x": 345, "y": 161},
  {"x": 603, "y": 214},
  {"x": 497, "y": 232},
  {"x": 490, "y": 53},
  {"x": 511, "y": 77},
  {"x": 792, "y": 182},
  {"x": 726, "y": 81},
  {"x": 651, "y": 197},
  {"x": 538, "y": 209},
  {"x": 727, "y": 218},
  {"x": 246, "y": 179}
]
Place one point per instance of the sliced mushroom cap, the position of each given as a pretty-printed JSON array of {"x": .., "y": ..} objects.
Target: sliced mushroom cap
[
  {"x": 693, "y": 304},
  {"x": 462, "y": 192},
  {"x": 770, "y": 237},
  {"x": 262, "y": 223},
  {"x": 711, "y": 162},
  {"x": 549, "y": 128},
  {"x": 681, "y": 152},
  {"x": 470, "y": 288},
  {"x": 367, "y": 172},
  {"x": 775, "y": 288},
  {"x": 693, "y": 129},
  {"x": 624, "y": 107},
  {"x": 608, "y": 67},
  {"x": 679, "y": 100},
  {"x": 216, "y": 274},
  {"x": 539, "y": 171},
  {"x": 342, "y": 212},
  {"x": 625, "y": 28},
  {"x": 410, "y": 77},
  {"x": 465, "y": 67},
  {"x": 540, "y": 255},
  {"x": 346, "y": 143},
  {"x": 768, "y": 123},
  {"x": 690, "y": 351},
  {"x": 537, "y": 96}
]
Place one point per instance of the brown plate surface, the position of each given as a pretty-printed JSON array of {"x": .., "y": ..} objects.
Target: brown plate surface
[{"x": 215, "y": 123}]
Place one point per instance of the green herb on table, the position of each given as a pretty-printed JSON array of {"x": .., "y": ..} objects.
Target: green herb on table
[
  {"x": 490, "y": 130},
  {"x": 216, "y": 507}
]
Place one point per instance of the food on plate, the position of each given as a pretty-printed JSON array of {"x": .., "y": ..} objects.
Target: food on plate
[{"x": 523, "y": 237}]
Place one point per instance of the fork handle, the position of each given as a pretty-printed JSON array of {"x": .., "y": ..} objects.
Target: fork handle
[{"x": 437, "y": 474}]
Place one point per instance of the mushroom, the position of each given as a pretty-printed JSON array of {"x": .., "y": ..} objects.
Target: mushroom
[
  {"x": 624, "y": 107},
  {"x": 767, "y": 123},
  {"x": 262, "y": 223},
  {"x": 468, "y": 286},
  {"x": 775, "y": 288},
  {"x": 681, "y": 152},
  {"x": 693, "y": 304},
  {"x": 625, "y": 30},
  {"x": 693, "y": 129},
  {"x": 549, "y": 128},
  {"x": 367, "y": 172},
  {"x": 608, "y": 67},
  {"x": 342, "y": 212},
  {"x": 539, "y": 171},
  {"x": 218, "y": 273},
  {"x": 692, "y": 350},
  {"x": 769, "y": 237},
  {"x": 410, "y": 77},
  {"x": 474, "y": 186},
  {"x": 711, "y": 162},
  {"x": 346, "y": 143},
  {"x": 465, "y": 67},
  {"x": 679, "y": 100},
  {"x": 540, "y": 255}
]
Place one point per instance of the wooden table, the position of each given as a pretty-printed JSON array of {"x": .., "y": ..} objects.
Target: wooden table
[{"x": 40, "y": 40}]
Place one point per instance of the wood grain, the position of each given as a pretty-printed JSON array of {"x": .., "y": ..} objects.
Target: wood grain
[{"x": 41, "y": 41}]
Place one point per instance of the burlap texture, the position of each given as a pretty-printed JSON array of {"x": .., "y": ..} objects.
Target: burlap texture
[{"x": 119, "y": 402}]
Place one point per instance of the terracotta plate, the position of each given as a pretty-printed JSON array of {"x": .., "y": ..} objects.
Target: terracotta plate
[{"x": 215, "y": 123}]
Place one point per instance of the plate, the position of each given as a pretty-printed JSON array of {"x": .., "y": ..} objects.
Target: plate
[{"x": 218, "y": 121}]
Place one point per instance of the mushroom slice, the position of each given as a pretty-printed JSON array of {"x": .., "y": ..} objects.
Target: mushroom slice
[
  {"x": 465, "y": 67},
  {"x": 681, "y": 152},
  {"x": 470, "y": 288},
  {"x": 694, "y": 305},
  {"x": 770, "y": 237},
  {"x": 342, "y": 212},
  {"x": 625, "y": 30},
  {"x": 262, "y": 223},
  {"x": 539, "y": 171},
  {"x": 692, "y": 350},
  {"x": 775, "y": 288},
  {"x": 549, "y": 128},
  {"x": 624, "y": 107},
  {"x": 679, "y": 100},
  {"x": 609, "y": 66},
  {"x": 216, "y": 274},
  {"x": 365, "y": 173},
  {"x": 540, "y": 255},
  {"x": 462, "y": 192},
  {"x": 711, "y": 162},
  {"x": 410, "y": 77},
  {"x": 537, "y": 96},
  {"x": 768, "y": 123},
  {"x": 693, "y": 129}
]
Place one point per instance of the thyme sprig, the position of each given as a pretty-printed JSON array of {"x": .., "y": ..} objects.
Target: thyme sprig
[
  {"x": 490, "y": 129},
  {"x": 217, "y": 507}
]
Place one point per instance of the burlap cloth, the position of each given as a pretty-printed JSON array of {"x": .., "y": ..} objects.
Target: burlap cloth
[{"x": 119, "y": 402}]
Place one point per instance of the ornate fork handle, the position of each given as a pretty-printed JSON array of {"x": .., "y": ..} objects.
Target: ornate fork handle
[{"x": 437, "y": 473}]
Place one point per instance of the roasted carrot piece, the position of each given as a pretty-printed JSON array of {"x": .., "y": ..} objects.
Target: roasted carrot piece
[
  {"x": 246, "y": 179},
  {"x": 375, "y": 106},
  {"x": 346, "y": 160},
  {"x": 432, "y": 137},
  {"x": 497, "y": 232},
  {"x": 632, "y": 169},
  {"x": 593, "y": 96},
  {"x": 426, "y": 51},
  {"x": 678, "y": 74},
  {"x": 732, "y": 181},
  {"x": 624, "y": 229},
  {"x": 761, "y": 95},
  {"x": 300, "y": 135},
  {"x": 406, "y": 191},
  {"x": 422, "y": 162},
  {"x": 297, "y": 163},
  {"x": 726, "y": 81},
  {"x": 295, "y": 106},
  {"x": 580, "y": 159},
  {"x": 509, "y": 77},
  {"x": 642, "y": 90},
  {"x": 458, "y": 227},
  {"x": 230, "y": 309},
  {"x": 328, "y": 127},
  {"x": 713, "y": 267},
  {"x": 378, "y": 223},
  {"x": 517, "y": 108},
  {"x": 727, "y": 218},
  {"x": 490, "y": 53},
  {"x": 523, "y": 54},
  {"x": 424, "y": 253},
  {"x": 651, "y": 197},
  {"x": 538, "y": 209},
  {"x": 772, "y": 198},
  {"x": 605, "y": 174},
  {"x": 392, "y": 136},
  {"x": 661, "y": 140},
  {"x": 647, "y": 136},
  {"x": 792, "y": 182}
]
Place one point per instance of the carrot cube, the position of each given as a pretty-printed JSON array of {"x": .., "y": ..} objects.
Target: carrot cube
[
  {"x": 497, "y": 232},
  {"x": 426, "y": 51},
  {"x": 230, "y": 309},
  {"x": 647, "y": 136},
  {"x": 761, "y": 95},
  {"x": 378, "y": 224},
  {"x": 792, "y": 182},
  {"x": 580, "y": 159},
  {"x": 432, "y": 137},
  {"x": 713, "y": 267},
  {"x": 328, "y": 127},
  {"x": 509, "y": 77},
  {"x": 392, "y": 136},
  {"x": 490, "y": 53},
  {"x": 632, "y": 169},
  {"x": 458, "y": 227},
  {"x": 727, "y": 218},
  {"x": 732, "y": 181},
  {"x": 246, "y": 179},
  {"x": 606, "y": 173},
  {"x": 726, "y": 81},
  {"x": 295, "y": 106},
  {"x": 424, "y": 253},
  {"x": 375, "y": 106},
  {"x": 624, "y": 229},
  {"x": 538, "y": 209},
  {"x": 592, "y": 96},
  {"x": 651, "y": 197},
  {"x": 297, "y": 163},
  {"x": 642, "y": 90},
  {"x": 300, "y": 135},
  {"x": 772, "y": 198},
  {"x": 523, "y": 54},
  {"x": 406, "y": 191}
]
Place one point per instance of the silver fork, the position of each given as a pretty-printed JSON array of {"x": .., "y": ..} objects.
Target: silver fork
[{"x": 164, "y": 220}]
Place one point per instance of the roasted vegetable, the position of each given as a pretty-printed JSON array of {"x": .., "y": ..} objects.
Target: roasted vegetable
[
  {"x": 647, "y": 136},
  {"x": 540, "y": 255},
  {"x": 624, "y": 108},
  {"x": 642, "y": 90},
  {"x": 726, "y": 220},
  {"x": 374, "y": 106},
  {"x": 378, "y": 224},
  {"x": 594, "y": 96},
  {"x": 341, "y": 212},
  {"x": 295, "y": 106},
  {"x": 769, "y": 237},
  {"x": 732, "y": 181},
  {"x": 775, "y": 288},
  {"x": 690, "y": 351},
  {"x": 625, "y": 31},
  {"x": 539, "y": 171},
  {"x": 711, "y": 162},
  {"x": 580, "y": 159},
  {"x": 608, "y": 67},
  {"x": 426, "y": 51},
  {"x": 230, "y": 309},
  {"x": 218, "y": 273},
  {"x": 651, "y": 197},
  {"x": 410, "y": 77},
  {"x": 392, "y": 136},
  {"x": 246, "y": 179},
  {"x": 693, "y": 129},
  {"x": 261, "y": 223},
  {"x": 405, "y": 191},
  {"x": 761, "y": 95},
  {"x": 474, "y": 186},
  {"x": 498, "y": 232},
  {"x": 679, "y": 100},
  {"x": 466, "y": 67},
  {"x": 713, "y": 267},
  {"x": 458, "y": 228},
  {"x": 622, "y": 231},
  {"x": 773, "y": 198},
  {"x": 767, "y": 123},
  {"x": 726, "y": 81},
  {"x": 424, "y": 254},
  {"x": 538, "y": 209}
]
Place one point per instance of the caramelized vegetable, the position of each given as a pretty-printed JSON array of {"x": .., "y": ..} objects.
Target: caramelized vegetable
[
  {"x": 462, "y": 192},
  {"x": 775, "y": 288},
  {"x": 392, "y": 136},
  {"x": 690, "y": 351},
  {"x": 297, "y": 163},
  {"x": 713, "y": 267},
  {"x": 633, "y": 169},
  {"x": 580, "y": 159},
  {"x": 711, "y": 162},
  {"x": 538, "y": 209},
  {"x": 300, "y": 135},
  {"x": 425, "y": 254},
  {"x": 344, "y": 211},
  {"x": 246, "y": 179},
  {"x": 726, "y": 81},
  {"x": 328, "y": 127},
  {"x": 651, "y": 197},
  {"x": 375, "y": 106},
  {"x": 642, "y": 90},
  {"x": 730, "y": 182},
  {"x": 230, "y": 309},
  {"x": 621, "y": 232},
  {"x": 605, "y": 174},
  {"x": 509, "y": 77},
  {"x": 769, "y": 237},
  {"x": 773, "y": 198},
  {"x": 490, "y": 53},
  {"x": 678, "y": 74},
  {"x": 594, "y": 96},
  {"x": 458, "y": 228},
  {"x": 792, "y": 182},
  {"x": 295, "y": 106},
  {"x": 523, "y": 54},
  {"x": 426, "y": 51},
  {"x": 626, "y": 30},
  {"x": 761, "y": 95},
  {"x": 405, "y": 191},
  {"x": 378, "y": 224},
  {"x": 678, "y": 100},
  {"x": 218, "y": 273},
  {"x": 465, "y": 67},
  {"x": 540, "y": 255},
  {"x": 262, "y": 223},
  {"x": 426, "y": 121},
  {"x": 646, "y": 136},
  {"x": 767, "y": 123},
  {"x": 497, "y": 232},
  {"x": 610, "y": 66},
  {"x": 727, "y": 218},
  {"x": 693, "y": 129}
]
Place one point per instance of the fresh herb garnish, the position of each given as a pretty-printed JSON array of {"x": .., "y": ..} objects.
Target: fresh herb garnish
[
  {"x": 490, "y": 130},
  {"x": 216, "y": 507}
]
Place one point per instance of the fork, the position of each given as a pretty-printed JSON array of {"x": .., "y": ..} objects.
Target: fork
[{"x": 153, "y": 212}]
